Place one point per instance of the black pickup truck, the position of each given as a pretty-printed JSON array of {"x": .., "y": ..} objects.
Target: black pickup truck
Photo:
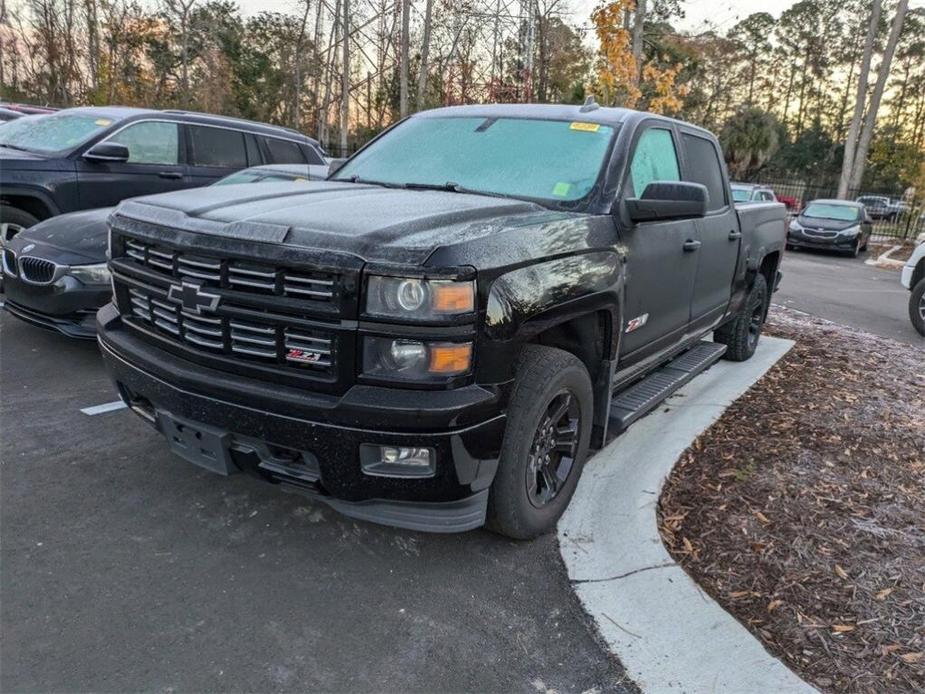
[{"x": 435, "y": 336}]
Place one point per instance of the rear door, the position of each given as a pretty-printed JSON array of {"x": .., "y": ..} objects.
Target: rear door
[
  {"x": 661, "y": 255},
  {"x": 155, "y": 165},
  {"x": 719, "y": 230},
  {"x": 215, "y": 152}
]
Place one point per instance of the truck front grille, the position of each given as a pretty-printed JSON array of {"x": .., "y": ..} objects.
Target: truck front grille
[
  {"x": 236, "y": 274},
  {"x": 262, "y": 338}
]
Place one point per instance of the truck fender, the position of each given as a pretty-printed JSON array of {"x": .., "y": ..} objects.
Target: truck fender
[{"x": 10, "y": 193}]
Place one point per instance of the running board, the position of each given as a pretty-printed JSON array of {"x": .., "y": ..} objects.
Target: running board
[{"x": 640, "y": 398}]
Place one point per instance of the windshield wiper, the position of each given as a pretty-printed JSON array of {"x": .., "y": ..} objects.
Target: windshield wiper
[
  {"x": 16, "y": 147},
  {"x": 365, "y": 181},
  {"x": 451, "y": 187}
]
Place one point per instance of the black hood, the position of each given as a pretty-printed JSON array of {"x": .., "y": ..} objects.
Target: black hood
[
  {"x": 370, "y": 222},
  {"x": 18, "y": 160},
  {"x": 826, "y": 224},
  {"x": 78, "y": 238}
]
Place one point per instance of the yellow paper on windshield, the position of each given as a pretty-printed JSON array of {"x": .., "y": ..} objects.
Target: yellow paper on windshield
[
  {"x": 560, "y": 190},
  {"x": 103, "y": 122},
  {"x": 585, "y": 127}
]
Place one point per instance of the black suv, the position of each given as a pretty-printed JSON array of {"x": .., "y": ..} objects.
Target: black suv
[{"x": 83, "y": 158}]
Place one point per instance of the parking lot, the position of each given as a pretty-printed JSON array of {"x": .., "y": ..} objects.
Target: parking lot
[{"x": 125, "y": 568}]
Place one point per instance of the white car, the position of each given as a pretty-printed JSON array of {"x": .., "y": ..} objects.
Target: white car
[{"x": 913, "y": 279}]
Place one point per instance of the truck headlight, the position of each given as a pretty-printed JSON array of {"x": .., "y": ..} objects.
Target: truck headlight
[
  {"x": 90, "y": 274},
  {"x": 418, "y": 299},
  {"x": 414, "y": 360}
]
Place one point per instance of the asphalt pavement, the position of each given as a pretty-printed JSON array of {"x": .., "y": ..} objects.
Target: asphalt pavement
[
  {"x": 123, "y": 568},
  {"x": 847, "y": 291}
]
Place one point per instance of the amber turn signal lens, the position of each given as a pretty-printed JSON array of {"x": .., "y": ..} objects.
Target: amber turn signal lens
[
  {"x": 450, "y": 359},
  {"x": 453, "y": 297}
]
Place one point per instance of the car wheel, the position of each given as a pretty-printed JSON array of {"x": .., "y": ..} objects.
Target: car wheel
[
  {"x": 791, "y": 247},
  {"x": 917, "y": 307},
  {"x": 545, "y": 443},
  {"x": 12, "y": 221},
  {"x": 741, "y": 334}
]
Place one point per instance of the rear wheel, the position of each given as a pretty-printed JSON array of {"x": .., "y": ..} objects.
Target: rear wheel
[
  {"x": 917, "y": 307},
  {"x": 12, "y": 221},
  {"x": 741, "y": 334},
  {"x": 545, "y": 444}
]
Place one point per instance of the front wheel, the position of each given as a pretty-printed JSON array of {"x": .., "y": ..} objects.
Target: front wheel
[
  {"x": 741, "y": 334},
  {"x": 12, "y": 221},
  {"x": 917, "y": 307},
  {"x": 545, "y": 444}
]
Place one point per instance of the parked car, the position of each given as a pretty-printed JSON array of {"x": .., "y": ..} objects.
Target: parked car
[
  {"x": 752, "y": 192},
  {"x": 55, "y": 274},
  {"x": 882, "y": 207},
  {"x": 85, "y": 158},
  {"x": 433, "y": 338},
  {"x": 913, "y": 279},
  {"x": 831, "y": 225}
]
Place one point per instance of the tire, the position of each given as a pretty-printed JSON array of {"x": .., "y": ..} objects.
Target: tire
[
  {"x": 521, "y": 504},
  {"x": 13, "y": 220},
  {"x": 917, "y": 307},
  {"x": 791, "y": 247},
  {"x": 741, "y": 334}
]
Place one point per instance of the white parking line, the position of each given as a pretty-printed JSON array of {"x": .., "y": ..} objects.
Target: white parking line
[{"x": 104, "y": 408}]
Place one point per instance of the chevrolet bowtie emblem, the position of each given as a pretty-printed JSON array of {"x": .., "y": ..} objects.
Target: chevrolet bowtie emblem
[{"x": 192, "y": 297}]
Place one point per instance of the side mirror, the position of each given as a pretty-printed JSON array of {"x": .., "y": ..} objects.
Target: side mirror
[
  {"x": 107, "y": 152},
  {"x": 662, "y": 200},
  {"x": 334, "y": 165}
]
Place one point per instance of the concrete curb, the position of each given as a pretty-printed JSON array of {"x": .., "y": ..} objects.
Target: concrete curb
[{"x": 668, "y": 634}]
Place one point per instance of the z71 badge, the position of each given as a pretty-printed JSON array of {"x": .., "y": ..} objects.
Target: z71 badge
[
  {"x": 637, "y": 323},
  {"x": 302, "y": 356}
]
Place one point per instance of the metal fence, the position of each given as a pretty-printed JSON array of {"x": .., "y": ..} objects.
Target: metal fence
[{"x": 900, "y": 219}]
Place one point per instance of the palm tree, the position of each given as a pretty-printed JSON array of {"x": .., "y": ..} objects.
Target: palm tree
[{"x": 749, "y": 139}]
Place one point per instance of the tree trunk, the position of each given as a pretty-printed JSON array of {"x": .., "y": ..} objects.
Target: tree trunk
[
  {"x": 425, "y": 54},
  {"x": 851, "y": 141},
  {"x": 345, "y": 81},
  {"x": 860, "y": 157},
  {"x": 638, "y": 24},
  {"x": 404, "y": 68}
]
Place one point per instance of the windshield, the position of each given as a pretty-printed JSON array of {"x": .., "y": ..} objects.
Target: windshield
[
  {"x": 825, "y": 210},
  {"x": 52, "y": 133},
  {"x": 518, "y": 157},
  {"x": 741, "y": 194}
]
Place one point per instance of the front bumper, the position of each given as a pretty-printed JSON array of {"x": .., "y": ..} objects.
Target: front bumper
[
  {"x": 67, "y": 306},
  {"x": 836, "y": 243},
  {"x": 906, "y": 277},
  {"x": 310, "y": 442}
]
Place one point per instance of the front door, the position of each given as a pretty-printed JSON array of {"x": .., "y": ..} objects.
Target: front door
[
  {"x": 155, "y": 165},
  {"x": 661, "y": 256},
  {"x": 719, "y": 232}
]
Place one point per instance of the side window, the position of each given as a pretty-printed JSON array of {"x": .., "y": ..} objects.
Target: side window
[
  {"x": 655, "y": 159},
  {"x": 704, "y": 168},
  {"x": 313, "y": 155},
  {"x": 217, "y": 147},
  {"x": 284, "y": 152},
  {"x": 150, "y": 142}
]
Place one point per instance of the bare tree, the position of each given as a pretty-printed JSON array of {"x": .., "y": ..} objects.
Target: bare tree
[
  {"x": 181, "y": 11},
  {"x": 638, "y": 24},
  {"x": 345, "y": 80},
  {"x": 867, "y": 133},
  {"x": 425, "y": 54},
  {"x": 860, "y": 101},
  {"x": 405, "y": 57}
]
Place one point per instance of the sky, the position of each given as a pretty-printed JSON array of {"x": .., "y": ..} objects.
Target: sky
[{"x": 700, "y": 14}]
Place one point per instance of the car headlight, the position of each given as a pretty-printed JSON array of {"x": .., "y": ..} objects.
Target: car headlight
[
  {"x": 410, "y": 298},
  {"x": 795, "y": 226},
  {"x": 414, "y": 360},
  {"x": 851, "y": 231},
  {"x": 90, "y": 274}
]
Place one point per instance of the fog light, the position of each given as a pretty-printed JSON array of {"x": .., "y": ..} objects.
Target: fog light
[{"x": 397, "y": 461}]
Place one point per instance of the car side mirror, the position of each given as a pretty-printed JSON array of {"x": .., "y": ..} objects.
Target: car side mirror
[
  {"x": 107, "y": 152},
  {"x": 663, "y": 200}
]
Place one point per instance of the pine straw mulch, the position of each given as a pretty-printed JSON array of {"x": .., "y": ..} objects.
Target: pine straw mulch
[{"x": 802, "y": 510}]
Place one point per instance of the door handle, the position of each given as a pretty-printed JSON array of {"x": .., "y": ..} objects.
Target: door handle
[
  {"x": 690, "y": 246},
  {"x": 170, "y": 174},
  {"x": 735, "y": 235}
]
